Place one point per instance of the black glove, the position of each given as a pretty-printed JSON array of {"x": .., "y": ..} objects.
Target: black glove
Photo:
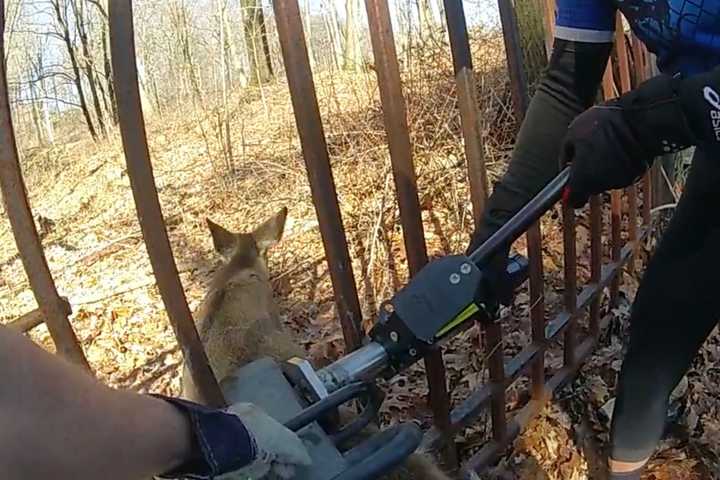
[{"x": 611, "y": 145}]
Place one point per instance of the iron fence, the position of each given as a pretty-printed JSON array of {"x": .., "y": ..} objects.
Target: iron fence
[{"x": 448, "y": 420}]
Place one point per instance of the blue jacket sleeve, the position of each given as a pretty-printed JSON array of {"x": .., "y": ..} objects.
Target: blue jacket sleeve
[{"x": 589, "y": 21}]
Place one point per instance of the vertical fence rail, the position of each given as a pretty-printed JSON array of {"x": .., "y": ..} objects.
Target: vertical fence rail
[
  {"x": 609, "y": 92},
  {"x": 537, "y": 309},
  {"x": 467, "y": 103},
  {"x": 570, "y": 275},
  {"x": 513, "y": 52},
  {"x": 132, "y": 129},
  {"x": 641, "y": 74},
  {"x": 625, "y": 86},
  {"x": 396, "y": 127},
  {"x": 317, "y": 161},
  {"x": 596, "y": 225},
  {"x": 55, "y": 310}
]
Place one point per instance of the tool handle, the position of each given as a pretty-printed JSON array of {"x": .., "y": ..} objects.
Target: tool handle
[
  {"x": 319, "y": 409},
  {"x": 382, "y": 453},
  {"x": 522, "y": 220}
]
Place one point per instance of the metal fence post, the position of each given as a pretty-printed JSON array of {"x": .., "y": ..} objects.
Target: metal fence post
[
  {"x": 467, "y": 103},
  {"x": 142, "y": 181},
  {"x": 317, "y": 161},
  {"x": 395, "y": 117},
  {"x": 54, "y": 309}
]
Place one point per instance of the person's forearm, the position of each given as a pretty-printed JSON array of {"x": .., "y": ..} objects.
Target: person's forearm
[
  {"x": 58, "y": 422},
  {"x": 568, "y": 87}
]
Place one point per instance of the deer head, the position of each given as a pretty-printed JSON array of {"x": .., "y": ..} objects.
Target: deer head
[{"x": 239, "y": 319}]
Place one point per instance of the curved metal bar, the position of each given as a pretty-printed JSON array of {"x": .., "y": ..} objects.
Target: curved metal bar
[
  {"x": 132, "y": 129},
  {"x": 53, "y": 308}
]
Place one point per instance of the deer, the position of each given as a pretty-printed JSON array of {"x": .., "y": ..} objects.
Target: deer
[{"x": 239, "y": 321}]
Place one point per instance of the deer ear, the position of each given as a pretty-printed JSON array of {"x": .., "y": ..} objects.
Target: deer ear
[
  {"x": 271, "y": 231},
  {"x": 223, "y": 240}
]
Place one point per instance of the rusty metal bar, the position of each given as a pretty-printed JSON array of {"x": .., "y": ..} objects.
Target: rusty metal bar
[
  {"x": 35, "y": 318},
  {"x": 570, "y": 277},
  {"x": 513, "y": 52},
  {"x": 467, "y": 103},
  {"x": 641, "y": 72},
  {"x": 496, "y": 366},
  {"x": 615, "y": 199},
  {"x": 549, "y": 23},
  {"x": 396, "y": 127},
  {"x": 537, "y": 307},
  {"x": 28, "y": 242},
  {"x": 626, "y": 86},
  {"x": 317, "y": 161},
  {"x": 595, "y": 260},
  {"x": 132, "y": 130}
]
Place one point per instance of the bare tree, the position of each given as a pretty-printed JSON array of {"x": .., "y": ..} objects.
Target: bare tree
[
  {"x": 60, "y": 8},
  {"x": 352, "y": 57},
  {"x": 256, "y": 41},
  {"x": 180, "y": 17},
  {"x": 333, "y": 31},
  {"x": 427, "y": 22},
  {"x": 81, "y": 25}
]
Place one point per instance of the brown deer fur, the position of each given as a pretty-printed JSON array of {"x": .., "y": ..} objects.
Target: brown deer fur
[{"x": 239, "y": 321}]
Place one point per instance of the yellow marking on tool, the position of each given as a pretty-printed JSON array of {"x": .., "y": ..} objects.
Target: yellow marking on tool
[{"x": 468, "y": 312}]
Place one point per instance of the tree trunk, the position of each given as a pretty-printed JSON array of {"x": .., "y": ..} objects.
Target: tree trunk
[
  {"x": 352, "y": 57},
  {"x": 35, "y": 113},
  {"x": 427, "y": 20},
  {"x": 79, "y": 8},
  {"x": 331, "y": 22},
  {"x": 257, "y": 46},
  {"x": 107, "y": 66},
  {"x": 77, "y": 79},
  {"x": 308, "y": 34}
]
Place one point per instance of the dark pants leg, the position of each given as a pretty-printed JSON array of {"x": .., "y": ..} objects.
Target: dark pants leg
[{"x": 676, "y": 308}]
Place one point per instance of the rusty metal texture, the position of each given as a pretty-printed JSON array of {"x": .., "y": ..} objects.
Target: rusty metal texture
[
  {"x": 609, "y": 92},
  {"x": 570, "y": 280},
  {"x": 537, "y": 307},
  {"x": 396, "y": 128},
  {"x": 549, "y": 24},
  {"x": 513, "y": 52},
  {"x": 623, "y": 61},
  {"x": 52, "y": 307},
  {"x": 641, "y": 74},
  {"x": 596, "y": 224},
  {"x": 132, "y": 129},
  {"x": 467, "y": 104},
  {"x": 35, "y": 318},
  {"x": 317, "y": 161}
]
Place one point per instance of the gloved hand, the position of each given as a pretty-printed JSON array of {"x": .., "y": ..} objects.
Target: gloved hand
[
  {"x": 241, "y": 439},
  {"x": 279, "y": 450},
  {"x": 611, "y": 145}
]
